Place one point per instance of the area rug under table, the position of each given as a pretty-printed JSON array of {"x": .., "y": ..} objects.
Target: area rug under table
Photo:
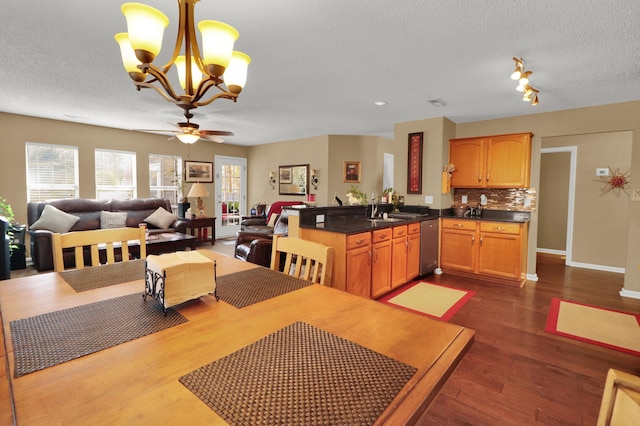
[
  {"x": 251, "y": 286},
  {"x": 300, "y": 375},
  {"x": 433, "y": 300},
  {"x": 599, "y": 326},
  {"x": 50, "y": 339},
  {"x": 104, "y": 275}
]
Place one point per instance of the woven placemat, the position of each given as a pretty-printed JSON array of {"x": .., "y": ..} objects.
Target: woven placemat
[
  {"x": 300, "y": 375},
  {"x": 56, "y": 337},
  {"x": 245, "y": 288},
  {"x": 104, "y": 275}
]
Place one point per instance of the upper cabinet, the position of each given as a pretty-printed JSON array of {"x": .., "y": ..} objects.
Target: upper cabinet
[{"x": 502, "y": 161}]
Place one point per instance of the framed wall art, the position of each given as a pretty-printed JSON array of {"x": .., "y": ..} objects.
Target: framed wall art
[
  {"x": 414, "y": 166},
  {"x": 198, "y": 171},
  {"x": 352, "y": 171}
]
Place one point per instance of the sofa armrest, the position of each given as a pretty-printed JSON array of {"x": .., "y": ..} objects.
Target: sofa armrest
[
  {"x": 180, "y": 225},
  {"x": 254, "y": 221},
  {"x": 41, "y": 249},
  {"x": 243, "y": 237}
]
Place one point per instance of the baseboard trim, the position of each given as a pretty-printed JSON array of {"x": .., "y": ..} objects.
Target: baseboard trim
[
  {"x": 551, "y": 251},
  {"x": 597, "y": 267},
  {"x": 630, "y": 293}
]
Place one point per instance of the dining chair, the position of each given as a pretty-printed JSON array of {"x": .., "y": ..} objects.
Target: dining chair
[
  {"x": 96, "y": 240},
  {"x": 620, "y": 400},
  {"x": 303, "y": 259}
]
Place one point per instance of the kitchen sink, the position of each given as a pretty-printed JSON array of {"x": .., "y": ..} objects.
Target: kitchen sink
[{"x": 389, "y": 219}]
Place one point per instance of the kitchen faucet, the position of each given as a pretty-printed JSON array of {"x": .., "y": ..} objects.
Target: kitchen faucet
[{"x": 374, "y": 208}]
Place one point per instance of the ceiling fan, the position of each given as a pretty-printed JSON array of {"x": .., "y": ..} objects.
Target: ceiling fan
[{"x": 189, "y": 132}]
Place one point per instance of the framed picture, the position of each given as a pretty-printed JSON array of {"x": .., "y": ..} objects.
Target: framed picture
[
  {"x": 414, "y": 166},
  {"x": 198, "y": 171},
  {"x": 294, "y": 180},
  {"x": 352, "y": 171}
]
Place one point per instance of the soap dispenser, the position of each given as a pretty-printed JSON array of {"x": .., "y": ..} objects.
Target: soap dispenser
[{"x": 483, "y": 200}]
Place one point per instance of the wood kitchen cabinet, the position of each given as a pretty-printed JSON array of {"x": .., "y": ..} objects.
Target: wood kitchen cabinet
[
  {"x": 502, "y": 161},
  {"x": 358, "y": 256},
  {"x": 381, "y": 262},
  {"x": 413, "y": 251},
  {"x": 491, "y": 250},
  {"x": 372, "y": 263},
  {"x": 399, "y": 256}
]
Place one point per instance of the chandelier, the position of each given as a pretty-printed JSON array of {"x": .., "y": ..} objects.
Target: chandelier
[
  {"x": 530, "y": 94},
  {"x": 222, "y": 67}
]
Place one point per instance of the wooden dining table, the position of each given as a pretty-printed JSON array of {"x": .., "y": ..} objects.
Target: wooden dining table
[{"x": 137, "y": 382}]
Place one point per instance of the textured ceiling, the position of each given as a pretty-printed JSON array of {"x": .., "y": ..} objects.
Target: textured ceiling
[{"x": 318, "y": 66}]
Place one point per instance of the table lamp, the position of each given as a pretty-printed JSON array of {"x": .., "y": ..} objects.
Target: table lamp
[{"x": 198, "y": 190}]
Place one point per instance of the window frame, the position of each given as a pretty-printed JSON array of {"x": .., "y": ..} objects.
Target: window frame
[
  {"x": 72, "y": 188},
  {"x": 133, "y": 188}
]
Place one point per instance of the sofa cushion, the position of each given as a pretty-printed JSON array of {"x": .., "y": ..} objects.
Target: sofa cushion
[
  {"x": 161, "y": 218},
  {"x": 54, "y": 220},
  {"x": 110, "y": 220}
]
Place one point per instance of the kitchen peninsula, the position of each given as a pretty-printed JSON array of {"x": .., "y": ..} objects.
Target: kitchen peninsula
[{"x": 372, "y": 256}]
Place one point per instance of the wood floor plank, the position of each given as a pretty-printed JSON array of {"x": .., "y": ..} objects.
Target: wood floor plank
[{"x": 516, "y": 373}]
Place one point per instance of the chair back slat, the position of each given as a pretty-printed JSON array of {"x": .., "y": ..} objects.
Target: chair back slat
[
  {"x": 303, "y": 259},
  {"x": 107, "y": 239}
]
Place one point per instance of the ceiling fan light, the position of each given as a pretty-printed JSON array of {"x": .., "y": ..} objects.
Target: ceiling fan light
[
  {"x": 188, "y": 138},
  {"x": 196, "y": 74},
  {"x": 516, "y": 74},
  {"x": 520, "y": 88},
  {"x": 235, "y": 76},
  {"x": 217, "y": 45},
  {"x": 145, "y": 25},
  {"x": 129, "y": 59}
]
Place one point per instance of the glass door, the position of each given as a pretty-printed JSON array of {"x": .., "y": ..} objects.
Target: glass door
[{"x": 231, "y": 188}]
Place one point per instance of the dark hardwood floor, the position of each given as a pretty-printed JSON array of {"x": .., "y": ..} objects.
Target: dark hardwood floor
[{"x": 517, "y": 374}]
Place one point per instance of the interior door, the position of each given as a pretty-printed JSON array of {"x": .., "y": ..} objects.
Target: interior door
[{"x": 231, "y": 194}]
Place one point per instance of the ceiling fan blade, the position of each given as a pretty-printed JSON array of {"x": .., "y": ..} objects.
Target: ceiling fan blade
[
  {"x": 215, "y": 132},
  {"x": 212, "y": 138},
  {"x": 156, "y": 131}
]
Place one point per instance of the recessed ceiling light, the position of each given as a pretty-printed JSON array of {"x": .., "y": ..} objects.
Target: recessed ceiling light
[{"x": 380, "y": 103}]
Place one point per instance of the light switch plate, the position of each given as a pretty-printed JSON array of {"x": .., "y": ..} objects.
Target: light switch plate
[
  {"x": 602, "y": 172},
  {"x": 428, "y": 199},
  {"x": 635, "y": 195},
  {"x": 464, "y": 199}
]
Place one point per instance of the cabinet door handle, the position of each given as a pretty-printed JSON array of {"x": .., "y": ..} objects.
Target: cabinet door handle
[
  {"x": 375, "y": 256},
  {"x": 473, "y": 240},
  {"x": 359, "y": 241},
  {"x": 480, "y": 241},
  {"x": 498, "y": 228},
  {"x": 487, "y": 177},
  {"x": 479, "y": 178},
  {"x": 459, "y": 225},
  {"x": 406, "y": 246},
  {"x": 369, "y": 257}
]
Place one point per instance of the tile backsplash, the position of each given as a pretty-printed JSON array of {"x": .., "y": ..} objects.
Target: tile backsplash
[{"x": 498, "y": 198}]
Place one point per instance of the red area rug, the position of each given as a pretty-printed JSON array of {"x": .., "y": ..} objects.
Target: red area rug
[
  {"x": 599, "y": 326},
  {"x": 433, "y": 300}
]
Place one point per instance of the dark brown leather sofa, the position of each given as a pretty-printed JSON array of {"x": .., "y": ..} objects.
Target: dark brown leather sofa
[{"x": 89, "y": 212}]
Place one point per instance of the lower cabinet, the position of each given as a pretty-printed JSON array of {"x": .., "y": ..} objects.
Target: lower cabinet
[
  {"x": 372, "y": 263},
  {"x": 381, "y": 262},
  {"x": 492, "y": 250}
]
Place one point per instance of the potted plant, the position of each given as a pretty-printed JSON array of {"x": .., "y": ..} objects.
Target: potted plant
[{"x": 356, "y": 196}]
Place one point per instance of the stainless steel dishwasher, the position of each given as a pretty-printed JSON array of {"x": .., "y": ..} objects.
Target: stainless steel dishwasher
[{"x": 429, "y": 230}]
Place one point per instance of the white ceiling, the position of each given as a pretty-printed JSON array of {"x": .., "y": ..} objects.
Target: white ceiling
[{"x": 318, "y": 66}]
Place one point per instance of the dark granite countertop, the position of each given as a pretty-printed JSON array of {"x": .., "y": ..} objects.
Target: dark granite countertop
[
  {"x": 493, "y": 216},
  {"x": 354, "y": 225}
]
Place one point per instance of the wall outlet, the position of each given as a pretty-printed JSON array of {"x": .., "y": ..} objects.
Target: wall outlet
[
  {"x": 602, "y": 172},
  {"x": 464, "y": 199},
  {"x": 428, "y": 199},
  {"x": 527, "y": 202},
  {"x": 635, "y": 195}
]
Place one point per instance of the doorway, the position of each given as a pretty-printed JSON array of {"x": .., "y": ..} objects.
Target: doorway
[
  {"x": 556, "y": 201},
  {"x": 231, "y": 194}
]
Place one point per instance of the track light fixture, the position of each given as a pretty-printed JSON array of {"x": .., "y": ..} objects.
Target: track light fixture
[{"x": 530, "y": 94}]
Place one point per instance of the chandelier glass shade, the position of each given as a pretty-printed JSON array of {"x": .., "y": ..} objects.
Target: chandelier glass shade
[{"x": 217, "y": 66}]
